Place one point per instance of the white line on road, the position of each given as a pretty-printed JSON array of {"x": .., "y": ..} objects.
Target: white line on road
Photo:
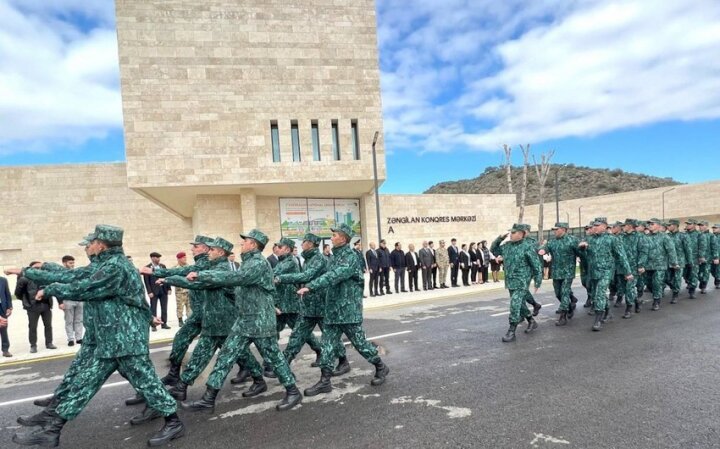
[
  {"x": 125, "y": 382},
  {"x": 508, "y": 313}
]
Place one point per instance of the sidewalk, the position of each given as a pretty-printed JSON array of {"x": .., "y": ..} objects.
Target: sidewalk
[{"x": 18, "y": 327}]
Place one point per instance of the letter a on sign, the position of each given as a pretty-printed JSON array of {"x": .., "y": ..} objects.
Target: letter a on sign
[{"x": 391, "y": 230}]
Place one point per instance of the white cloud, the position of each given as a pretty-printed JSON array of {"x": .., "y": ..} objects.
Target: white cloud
[
  {"x": 59, "y": 83},
  {"x": 577, "y": 69}
]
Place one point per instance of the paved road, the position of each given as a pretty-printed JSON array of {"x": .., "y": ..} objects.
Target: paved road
[{"x": 648, "y": 382}]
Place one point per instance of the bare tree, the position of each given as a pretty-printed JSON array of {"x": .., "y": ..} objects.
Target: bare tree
[
  {"x": 508, "y": 166},
  {"x": 523, "y": 188},
  {"x": 542, "y": 170}
]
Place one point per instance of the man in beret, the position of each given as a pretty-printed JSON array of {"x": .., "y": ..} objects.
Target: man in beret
[
  {"x": 343, "y": 281},
  {"x": 564, "y": 251},
  {"x": 661, "y": 257},
  {"x": 522, "y": 265}
]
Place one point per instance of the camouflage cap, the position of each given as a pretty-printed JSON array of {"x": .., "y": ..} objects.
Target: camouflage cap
[
  {"x": 716, "y": 226},
  {"x": 220, "y": 242},
  {"x": 345, "y": 229},
  {"x": 109, "y": 234},
  {"x": 618, "y": 224},
  {"x": 655, "y": 220},
  {"x": 690, "y": 221},
  {"x": 87, "y": 239},
  {"x": 600, "y": 220},
  {"x": 561, "y": 224},
  {"x": 202, "y": 240},
  {"x": 703, "y": 223},
  {"x": 673, "y": 222},
  {"x": 310, "y": 237},
  {"x": 631, "y": 221},
  {"x": 519, "y": 227},
  {"x": 286, "y": 242},
  {"x": 588, "y": 226},
  {"x": 256, "y": 235}
]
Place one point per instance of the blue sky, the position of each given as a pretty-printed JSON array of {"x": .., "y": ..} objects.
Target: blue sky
[{"x": 630, "y": 84}]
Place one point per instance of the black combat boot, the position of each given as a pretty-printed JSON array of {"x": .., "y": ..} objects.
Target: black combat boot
[
  {"x": 536, "y": 308},
  {"x": 588, "y": 301},
  {"x": 606, "y": 314},
  {"x": 558, "y": 311},
  {"x": 173, "y": 429},
  {"x": 242, "y": 376},
  {"x": 510, "y": 335},
  {"x": 180, "y": 322},
  {"x": 562, "y": 321},
  {"x": 258, "y": 386},
  {"x": 343, "y": 367},
  {"x": 628, "y": 310},
  {"x": 41, "y": 418},
  {"x": 381, "y": 371},
  {"x": 45, "y": 402},
  {"x": 691, "y": 293},
  {"x": 138, "y": 399},
  {"x": 291, "y": 399},
  {"x": 637, "y": 305},
  {"x": 48, "y": 436},
  {"x": 532, "y": 325},
  {"x": 656, "y": 304},
  {"x": 206, "y": 403},
  {"x": 674, "y": 298},
  {"x": 147, "y": 415},
  {"x": 598, "y": 321},
  {"x": 179, "y": 391},
  {"x": 571, "y": 312},
  {"x": 619, "y": 301},
  {"x": 268, "y": 371},
  {"x": 173, "y": 376},
  {"x": 316, "y": 363},
  {"x": 324, "y": 385}
]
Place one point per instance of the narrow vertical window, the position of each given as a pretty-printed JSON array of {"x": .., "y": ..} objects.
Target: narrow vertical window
[
  {"x": 335, "y": 140},
  {"x": 295, "y": 137},
  {"x": 275, "y": 140},
  {"x": 355, "y": 140},
  {"x": 315, "y": 132}
]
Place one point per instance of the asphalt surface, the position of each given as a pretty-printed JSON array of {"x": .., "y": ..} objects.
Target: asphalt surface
[{"x": 648, "y": 382}]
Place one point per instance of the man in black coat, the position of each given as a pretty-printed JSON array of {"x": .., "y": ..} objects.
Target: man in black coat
[
  {"x": 397, "y": 262},
  {"x": 373, "y": 265},
  {"x": 5, "y": 312},
  {"x": 426, "y": 262},
  {"x": 25, "y": 290},
  {"x": 157, "y": 292},
  {"x": 384, "y": 256},
  {"x": 412, "y": 263},
  {"x": 453, "y": 253}
]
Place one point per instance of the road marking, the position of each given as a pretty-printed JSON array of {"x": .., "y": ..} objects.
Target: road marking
[
  {"x": 125, "y": 382},
  {"x": 508, "y": 313}
]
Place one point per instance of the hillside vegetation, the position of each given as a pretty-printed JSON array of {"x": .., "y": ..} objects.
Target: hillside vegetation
[{"x": 574, "y": 182}]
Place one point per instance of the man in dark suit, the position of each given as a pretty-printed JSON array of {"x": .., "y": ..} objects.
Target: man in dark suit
[
  {"x": 412, "y": 263},
  {"x": 234, "y": 266},
  {"x": 397, "y": 262},
  {"x": 453, "y": 253},
  {"x": 5, "y": 312},
  {"x": 25, "y": 290},
  {"x": 157, "y": 292},
  {"x": 426, "y": 262},
  {"x": 384, "y": 256},
  {"x": 373, "y": 264},
  {"x": 431, "y": 245},
  {"x": 357, "y": 247},
  {"x": 273, "y": 258}
]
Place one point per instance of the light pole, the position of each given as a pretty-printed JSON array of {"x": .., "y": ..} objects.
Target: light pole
[
  {"x": 663, "y": 201},
  {"x": 580, "y": 216},
  {"x": 377, "y": 195}
]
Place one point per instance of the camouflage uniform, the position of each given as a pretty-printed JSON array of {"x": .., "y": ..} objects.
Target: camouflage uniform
[
  {"x": 564, "y": 251},
  {"x": 715, "y": 254},
  {"x": 641, "y": 280},
  {"x": 636, "y": 250},
  {"x": 182, "y": 302},
  {"x": 690, "y": 271},
  {"x": 682, "y": 250},
  {"x": 704, "y": 241},
  {"x": 442, "y": 258},
  {"x": 314, "y": 303},
  {"x": 661, "y": 256}
]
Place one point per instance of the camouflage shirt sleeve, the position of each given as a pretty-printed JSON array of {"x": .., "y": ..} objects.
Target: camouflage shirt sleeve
[
  {"x": 175, "y": 271},
  {"x": 495, "y": 248},
  {"x": 64, "y": 276},
  {"x": 340, "y": 270},
  {"x": 642, "y": 252},
  {"x": 535, "y": 265},
  {"x": 182, "y": 282},
  {"x": 619, "y": 253},
  {"x": 670, "y": 248},
  {"x": 102, "y": 285},
  {"x": 248, "y": 274},
  {"x": 311, "y": 271}
]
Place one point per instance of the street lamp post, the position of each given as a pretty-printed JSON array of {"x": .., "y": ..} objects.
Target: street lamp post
[
  {"x": 663, "y": 201},
  {"x": 377, "y": 195},
  {"x": 580, "y": 216}
]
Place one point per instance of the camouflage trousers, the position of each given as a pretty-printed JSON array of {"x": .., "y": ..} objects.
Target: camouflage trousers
[
  {"x": 300, "y": 335},
  {"x": 236, "y": 349},
  {"x": 563, "y": 291},
  {"x": 601, "y": 287},
  {"x": 673, "y": 279},
  {"x": 641, "y": 282},
  {"x": 137, "y": 369},
  {"x": 715, "y": 271},
  {"x": 656, "y": 281},
  {"x": 82, "y": 361},
  {"x": 291, "y": 320},
  {"x": 703, "y": 274},
  {"x": 626, "y": 289},
  {"x": 518, "y": 309},
  {"x": 332, "y": 338},
  {"x": 184, "y": 338},
  {"x": 690, "y": 274},
  {"x": 182, "y": 300}
]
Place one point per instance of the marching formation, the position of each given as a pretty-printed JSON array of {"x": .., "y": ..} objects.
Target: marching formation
[
  {"x": 230, "y": 311},
  {"x": 617, "y": 261}
]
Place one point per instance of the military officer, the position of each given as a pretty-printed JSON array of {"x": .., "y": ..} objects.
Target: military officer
[
  {"x": 255, "y": 323},
  {"x": 522, "y": 265},
  {"x": 122, "y": 333},
  {"x": 314, "y": 302},
  {"x": 661, "y": 257},
  {"x": 564, "y": 251},
  {"x": 704, "y": 257},
  {"x": 343, "y": 311}
]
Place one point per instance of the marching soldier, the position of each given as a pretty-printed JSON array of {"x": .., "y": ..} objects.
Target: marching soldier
[
  {"x": 682, "y": 250},
  {"x": 641, "y": 280},
  {"x": 704, "y": 260},
  {"x": 121, "y": 327},
  {"x": 585, "y": 269},
  {"x": 522, "y": 265},
  {"x": 690, "y": 272},
  {"x": 636, "y": 250},
  {"x": 661, "y": 257},
  {"x": 314, "y": 302},
  {"x": 343, "y": 311},
  {"x": 617, "y": 286},
  {"x": 715, "y": 254},
  {"x": 564, "y": 251}
]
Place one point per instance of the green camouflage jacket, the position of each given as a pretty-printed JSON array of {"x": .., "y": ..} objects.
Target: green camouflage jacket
[
  {"x": 196, "y": 296},
  {"x": 605, "y": 252},
  {"x": 564, "y": 252},
  {"x": 693, "y": 247},
  {"x": 315, "y": 266},
  {"x": 121, "y": 321},
  {"x": 661, "y": 252},
  {"x": 681, "y": 246},
  {"x": 344, "y": 283},
  {"x": 521, "y": 262},
  {"x": 704, "y": 239},
  {"x": 254, "y": 294},
  {"x": 715, "y": 246},
  {"x": 636, "y": 250},
  {"x": 219, "y": 310},
  {"x": 287, "y": 299}
]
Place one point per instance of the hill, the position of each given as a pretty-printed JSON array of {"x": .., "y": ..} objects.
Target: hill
[{"x": 574, "y": 182}]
